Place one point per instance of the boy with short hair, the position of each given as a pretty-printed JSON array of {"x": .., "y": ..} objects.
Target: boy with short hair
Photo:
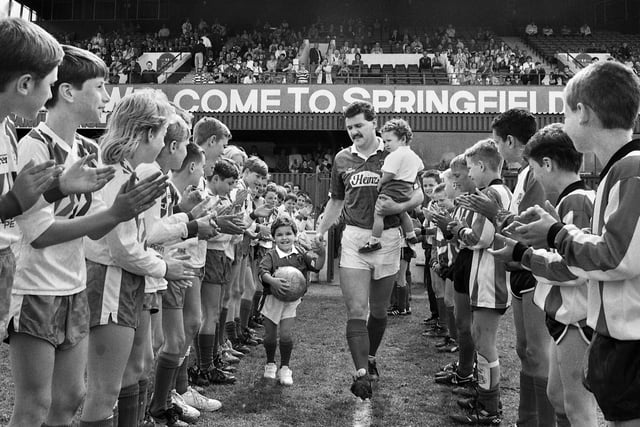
[
  {"x": 430, "y": 179},
  {"x": 399, "y": 173},
  {"x": 602, "y": 103},
  {"x": 563, "y": 296},
  {"x": 488, "y": 291}
]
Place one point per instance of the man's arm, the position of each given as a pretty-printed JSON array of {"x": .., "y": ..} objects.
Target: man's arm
[
  {"x": 330, "y": 216},
  {"x": 385, "y": 206}
]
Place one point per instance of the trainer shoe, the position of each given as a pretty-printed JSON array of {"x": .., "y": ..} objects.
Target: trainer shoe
[
  {"x": 238, "y": 346},
  {"x": 436, "y": 331},
  {"x": 449, "y": 346},
  {"x": 374, "y": 375},
  {"x": 218, "y": 376},
  {"x": 227, "y": 347},
  {"x": 361, "y": 387},
  {"x": 187, "y": 413},
  {"x": 200, "y": 402},
  {"x": 270, "y": 370},
  {"x": 169, "y": 417},
  {"x": 430, "y": 321},
  {"x": 285, "y": 376},
  {"x": 220, "y": 364},
  {"x": 197, "y": 377},
  {"x": 478, "y": 416},
  {"x": 452, "y": 378},
  {"x": 368, "y": 247}
]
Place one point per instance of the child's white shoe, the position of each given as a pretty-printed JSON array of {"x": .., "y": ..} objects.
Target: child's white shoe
[
  {"x": 270, "y": 370},
  {"x": 286, "y": 376}
]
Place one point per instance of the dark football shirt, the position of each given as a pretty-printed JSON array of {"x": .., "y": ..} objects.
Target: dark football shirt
[{"x": 355, "y": 180}]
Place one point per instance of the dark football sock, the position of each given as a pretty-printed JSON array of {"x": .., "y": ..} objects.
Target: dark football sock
[
  {"x": 443, "y": 321},
  {"x": 166, "y": 369},
  {"x": 270, "y": 340},
  {"x": 182, "y": 381},
  {"x": 375, "y": 328},
  {"x": 358, "y": 340},
  {"x": 245, "y": 313},
  {"x": 255, "y": 304},
  {"x": 451, "y": 323},
  {"x": 527, "y": 412},
  {"x": 230, "y": 328},
  {"x": 205, "y": 344},
  {"x": 128, "y": 406},
  {"x": 546, "y": 413},
  {"x": 239, "y": 331},
  {"x": 142, "y": 399},
  {"x": 466, "y": 352},
  {"x": 223, "y": 321},
  {"x": 402, "y": 298},
  {"x": 286, "y": 347},
  {"x": 101, "y": 423}
]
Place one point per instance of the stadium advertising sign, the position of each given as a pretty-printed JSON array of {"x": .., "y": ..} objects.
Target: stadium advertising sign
[{"x": 330, "y": 99}]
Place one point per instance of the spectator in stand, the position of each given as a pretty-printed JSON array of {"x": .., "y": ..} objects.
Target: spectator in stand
[
  {"x": 624, "y": 52},
  {"x": 323, "y": 73},
  {"x": 164, "y": 32},
  {"x": 565, "y": 30},
  {"x": 377, "y": 49},
  {"x": 323, "y": 166},
  {"x": 186, "y": 27},
  {"x": 585, "y": 30},
  {"x": 536, "y": 74},
  {"x": 202, "y": 25},
  {"x": 149, "y": 75},
  {"x": 302, "y": 74},
  {"x": 210, "y": 63},
  {"x": 555, "y": 77},
  {"x": 356, "y": 66},
  {"x": 315, "y": 56},
  {"x": 531, "y": 29},
  {"x": 134, "y": 72},
  {"x": 249, "y": 78},
  {"x": 424, "y": 64},
  {"x": 547, "y": 31},
  {"x": 450, "y": 31},
  {"x": 343, "y": 68},
  {"x": 199, "y": 51}
]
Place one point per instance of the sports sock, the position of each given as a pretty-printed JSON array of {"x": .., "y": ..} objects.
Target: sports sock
[
  {"x": 488, "y": 383},
  {"x": 216, "y": 340},
  {"x": 142, "y": 399},
  {"x": 230, "y": 328},
  {"x": 393, "y": 302},
  {"x": 466, "y": 352},
  {"x": 375, "y": 327},
  {"x": 433, "y": 304},
  {"x": 205, "y": 345},
  {"x": 239, "y": 331},
  {"x": 527, "y": 412},
  {"x": 490, "y": 399},
  {"x": 270, "y": 340},
  {"x": 546, "y": 413},
  {"x": 373, "y": 240},
  {"x": 172, "y": 381},
  {"x": 182, "y": 381},
  {"x": 451, "y": 323},
  {"x": 166, "y": 368},
  {"x": 443, "y": 320},
  {"x": 128, "y": 405},
  {"x": 562, "y": 420},
  {"x": 358, "y": 340},
  {"x": 245, "y": 313},
  {"x": 223, "y": 321},
  {"x": 255, "y": 304},
  {"x": 286, "y": 347},
  {"x": 402, "y": 298},
  {"x": 196, "y": 348}
]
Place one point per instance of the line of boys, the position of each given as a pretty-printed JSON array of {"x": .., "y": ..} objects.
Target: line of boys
[
  {"x": 64, "y": 314},
  {"x": 572, "y": 290}
]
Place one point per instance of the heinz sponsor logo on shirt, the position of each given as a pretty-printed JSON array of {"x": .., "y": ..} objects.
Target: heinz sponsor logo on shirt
[{"x": 364, "y": 179}]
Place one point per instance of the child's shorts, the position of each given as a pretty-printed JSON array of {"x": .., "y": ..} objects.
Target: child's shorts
[
  {"x": 7, "y": 271},
  {"x": 276, "y": 310},
  {"x": 217, "y": 268},
  {"x": 62, "y": 321},
  {"x": 613, "y": 376},
  {"x": 522, "y": 282},
  {"x": 558, "y": 330},
  {"x": 115, "y": 295}
]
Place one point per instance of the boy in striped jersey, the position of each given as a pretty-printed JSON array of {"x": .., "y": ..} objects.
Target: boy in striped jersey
[
  {"x": 489, "y": 293},
  {"x": 563, "y": 296},
  {"x": 601, "y": 106},
  {"x": 511, "y": 131},
  {"x": 462, "y": 372},
  {"x": 49, "y": 328}
]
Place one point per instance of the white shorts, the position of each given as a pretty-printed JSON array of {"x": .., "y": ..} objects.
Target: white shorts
[
  {"x": 276, "y": 310},
  {"x": 384, "y": 262}
]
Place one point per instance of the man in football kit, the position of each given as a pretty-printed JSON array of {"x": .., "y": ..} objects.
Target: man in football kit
[{"x": 366, "y": 279}]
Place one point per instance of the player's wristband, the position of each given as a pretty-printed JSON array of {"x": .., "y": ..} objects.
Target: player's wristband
[
  {"x": 518, "y": 252},
  {"x": 54, "y": 193},
  {"x": 10, "y": 206},
  {"x": 552, "y": 233},
  {"x": 252, "y": 216}
]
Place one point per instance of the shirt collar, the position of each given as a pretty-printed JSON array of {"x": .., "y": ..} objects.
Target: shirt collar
[
  {"x": 380, "y": 148},
  {"x": 282, "y": 254},
  {"x": 42, "y": 127},
  {"x": 623, "y": 151},
  {"x": 578, "y": 185}
]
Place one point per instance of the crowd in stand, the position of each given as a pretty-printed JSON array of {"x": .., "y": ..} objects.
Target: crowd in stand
[{"x": 278, "y": 54}]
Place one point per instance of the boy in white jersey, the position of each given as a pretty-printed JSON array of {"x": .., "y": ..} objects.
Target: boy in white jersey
[
  {"x": 399, "y": 173},
  {"x": 488, "y": 290},
  {"x": 49, "y": 328},
  {"x": 602, "y": 103},
  {"x": 563, "y": 296},
  {"x": 118, "y": 262}
]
